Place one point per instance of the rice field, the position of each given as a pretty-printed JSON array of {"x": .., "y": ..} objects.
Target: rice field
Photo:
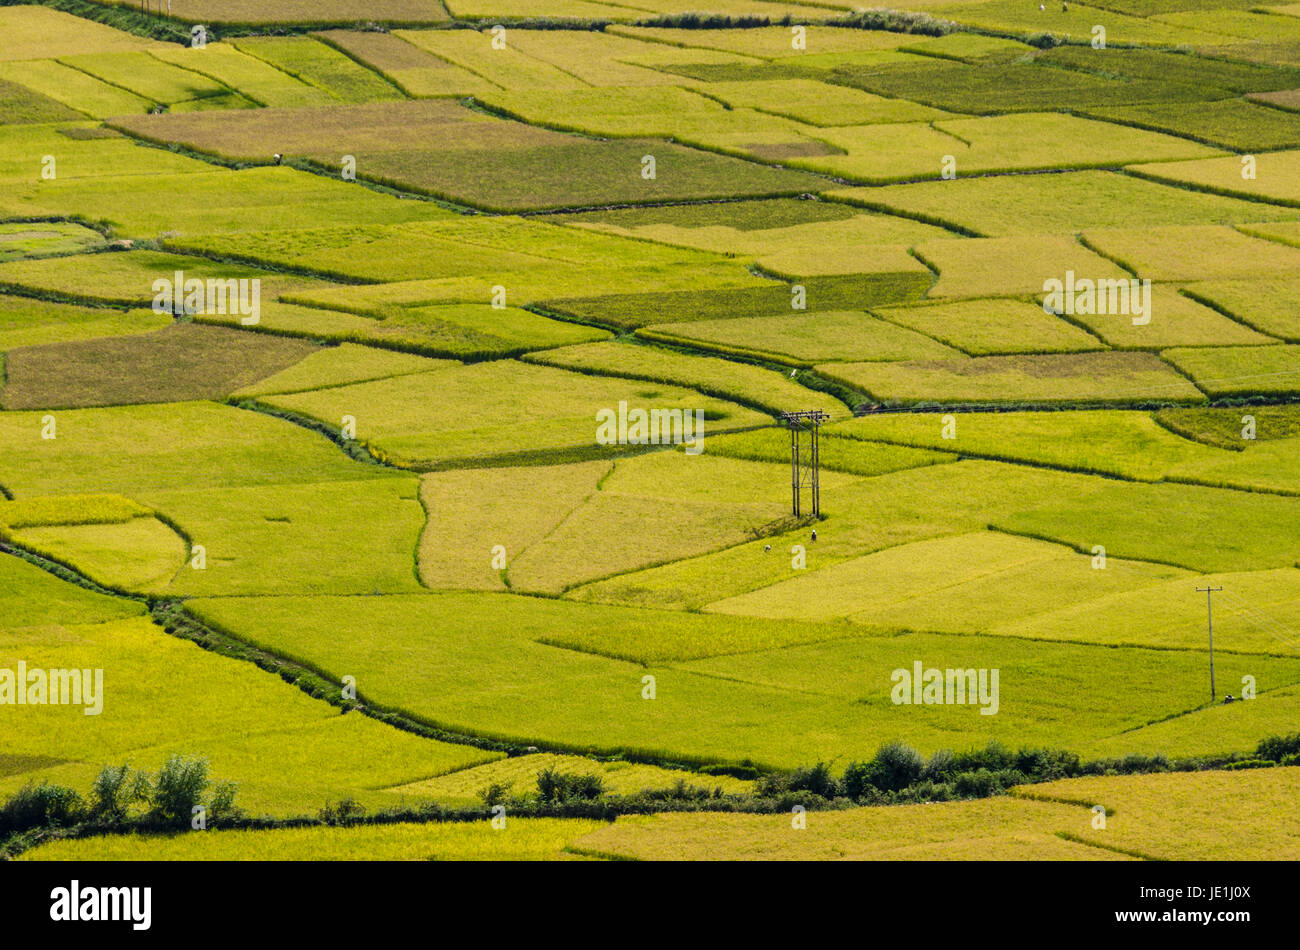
[
  {"x": 1068, "y": 378},
  {"x": 1053, "y": 820},
  {"x": 805, "y": 339},
  {"x": 433, "y": 533},
  {"x": 523, "y": 839}
]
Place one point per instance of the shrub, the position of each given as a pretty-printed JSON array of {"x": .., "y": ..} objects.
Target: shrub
[
  {"x": 1278, "y": 747},
  {"x": 942, "y": 765},
  {"x": 116, "y": 789},
  {"x": 980, "y": 783},
  {"x": 41, "y": 806},
  {"x": 495, "y": 793},
  {"x": 856, "y": 782},
  {"x": 558, "y": 788},
  {"x": 348, "y": 811},
  {"x": 179, "y": 790},
  {"x": 1042, "y": 764},
  {"x": 1249, "y": 764},
  {"x": 896, "y": 21},
  {"x": 992, "y": 757},
  {"x": 817, "y": 779},
  {"x": 896, "y": 766}
]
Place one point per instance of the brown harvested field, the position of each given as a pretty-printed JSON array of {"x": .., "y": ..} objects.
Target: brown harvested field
[
  {"x": 382, "y": 51},
  {"x": 1282, "y": 99},
  {"x": 175, "y": 364},
  {"x": 426, "y": 125},
  {"x": 439, "y": 148},
  {"x": 300, "y": 11}
]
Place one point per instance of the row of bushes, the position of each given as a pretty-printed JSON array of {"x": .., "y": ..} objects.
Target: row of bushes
[
  {"x": 123, "y": 798},
  {"x": 122, "y": 795},
  {"x": 898, "y": 773}
]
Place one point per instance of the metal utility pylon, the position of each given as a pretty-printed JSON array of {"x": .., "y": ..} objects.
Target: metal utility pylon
[
  {"x": 1209, "y": 593},
  {"x": 804, "y": 465}
]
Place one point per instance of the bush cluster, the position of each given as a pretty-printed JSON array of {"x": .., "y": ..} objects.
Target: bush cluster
[{"x": 121, "y": 795}]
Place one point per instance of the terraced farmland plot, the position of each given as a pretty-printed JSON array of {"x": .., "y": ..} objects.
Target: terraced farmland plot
[
  {"x": 520, "y": 775},
  {"x": 415, "y": 72},
  {"x": 152, "y": 79},
  {"x": 434, "y": 430},
  {"x": 1270, "y": 305},
  {"x": 138, "y": 555},
  {"x": 45, "y": 239},
  {"x": 254, "y": 79},
  {"x": 1114, "y": 378},
  {"x": 21, "y": 105},
  {"x": 994, "y": 830},
  {"x": 781, "y": 234},
  {"x": 604, "y": 58},
  {"x": 129, "y": 369},
  {"x": 72, "y": 87},
  {"x": 1230, "y": 370},
  {"x": 36, "y": 32},
  {"x": 1274, "y": 179},
  {"x": 338, "y": 366},
  {"x": 1144, "y": 804},
  {"x": 1015, "y": 87},
  {"x": 773, "y": 42},
  {"x": 1196, "y": 445},
  {"x": 237, "y": 447},
  {"x": 970, "y": 48},
  {"x": 448, "y": 246},
  {"x": 1148, "y": 815},
  {"x": 617, "y": 283},
  {"x": 837, "y": 455},
  {"x": 710, "y": 708},
  {"x": 127, "y": 279},
  {"x": 992, "y": 326},
  {"x": 763, "y": 389},
  {"x": 944, "y": 584},
  {"x": 617, "y": 530},
  {"x": 1212, "y": 75},
  {"x": 530, "y": 839},
  {"x": 250, "y": 200},
  {"x": 1142, "y": 525},
  {"x": 1195, "y": 252},
  {"x": 639, "y": 111},
  {"x": 804, "y": 339},
  {"x": 817, "y": 103},
  {"x": 444, "y": 150},
  {"x": 81, "y": 151},
  {"x": 882, "y": 154},
  {"x": 316, "y": 64},
  {"x": 1175, "y": 319},
  {"x": 1257, "y": 610},
  {"x": 272, "y": 539},
  {"x": 299, "y": 11},
  {"x": 1000, "y": 206},
  {"x": 25, "y": 321},
  {"x": 1230, "y": 123},
  {"x": 873, "y": 514},
  {"x": 1075, "y": 22},
  {"x": 1000, "y": 267},
  {"x": 162, "y": 696}
]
